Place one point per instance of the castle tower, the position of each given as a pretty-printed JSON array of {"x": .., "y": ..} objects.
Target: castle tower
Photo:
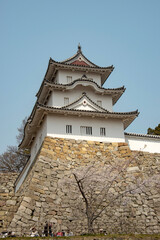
[
  {"x": 72, "y": 103},
  {"x": 72, "y": 126}
]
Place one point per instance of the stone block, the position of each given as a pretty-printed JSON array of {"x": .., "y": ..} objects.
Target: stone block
[
  {"x": 27, "y": 205},
  {"x": 28, "y": 211},
  {"x": 35, "y": 197},
  {"x": 17, "y": 217},
  {"x": 47, "y": 171},
  {"x": 36, "y": 189},
  {"x": 13, "y": 224},
  {"x": 122, "y": 144},
  {"x": 49, "y": 200},
  {"x": 27, "y": 216},
  {"x": 2, "y": 203},
  {"x": 35, "y": 219},
  {"x": 53, "y": 220},
  {"x": 133, "y": 169},
  {"x": 11, "y": 202},
  {"x": 2, "y": 213},
  {"x": 38, "y": 204},
  {"x": 27, "y": 199}
]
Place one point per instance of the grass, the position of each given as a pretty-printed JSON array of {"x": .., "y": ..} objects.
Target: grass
[{"x": 98, "y": 237}]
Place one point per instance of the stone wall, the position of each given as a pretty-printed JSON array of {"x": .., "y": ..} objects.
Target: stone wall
[
  {"x": 42, "y": 198},
  {"x": 8, "y": 204}
]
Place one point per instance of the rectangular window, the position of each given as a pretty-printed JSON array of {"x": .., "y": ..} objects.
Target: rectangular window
[
  {"x": 86, "y": 130},
  {"x": 69, "y": 129},
  {"x": 102, "y": 131},
  {"x": 66, "y": 101},
  {"x": 99, "y": 103},
  {"x": 69, "y": 79}
]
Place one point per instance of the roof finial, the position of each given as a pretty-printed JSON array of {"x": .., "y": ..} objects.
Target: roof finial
[{"x": 79, "y": 48}]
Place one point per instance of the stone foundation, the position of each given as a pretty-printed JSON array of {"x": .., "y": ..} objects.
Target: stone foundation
[
  {"x": 41, "y": 197},
  {"x": 7, "y": 199}
]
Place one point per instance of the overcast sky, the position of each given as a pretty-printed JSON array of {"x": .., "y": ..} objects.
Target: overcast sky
[{"x": 125, "y": 33}]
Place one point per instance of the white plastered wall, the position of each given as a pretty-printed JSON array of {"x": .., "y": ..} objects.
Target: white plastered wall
[
  {"x": 57, "y": 97},
  {"x": 61, "y": 76},
  {"x": 41, "y": 133},
  {"x": 144, "y": 144},
  {"x": 56, "y": 127}
]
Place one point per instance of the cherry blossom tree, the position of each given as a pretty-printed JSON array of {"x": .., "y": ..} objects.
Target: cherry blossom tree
[
  {"x": 100, "y": 185},
  {"x": 14, "y": 159}
]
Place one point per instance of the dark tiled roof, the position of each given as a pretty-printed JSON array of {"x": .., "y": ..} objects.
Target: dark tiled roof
[
  {"x": 142, "y": 135},
  {"x": 128, "y": 117},
  {"x": 77, "y": 110},
  {"x": 103, "y": 70},
  {"x": 85, "y": 80},
  {"x": 117, "y": 92},
  {"x": 94, "y": 67}
]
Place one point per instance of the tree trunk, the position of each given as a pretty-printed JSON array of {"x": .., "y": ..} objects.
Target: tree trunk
[{"x": 90, "y": 226}]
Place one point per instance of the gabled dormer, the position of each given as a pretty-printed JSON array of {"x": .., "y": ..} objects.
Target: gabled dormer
[
  {"x": 84, "y": 103},
  {"x": 79, "y": 59}
]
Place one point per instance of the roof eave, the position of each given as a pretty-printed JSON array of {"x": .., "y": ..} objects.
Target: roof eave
[
  {"x": 47, "y": 89},
  {"x": 139, "y": 135},
  {"x": 67, "y": 65},
  {"x": 41, "y": 111},
  {"x": 105, "y": 76},
  {"x": 40, "y": 89},
  {"x": 117, "y": 97},
  {"x": 129, "y": 121}
]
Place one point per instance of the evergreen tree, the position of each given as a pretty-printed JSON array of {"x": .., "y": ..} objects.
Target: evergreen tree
[{"x": 155, "y": 131}]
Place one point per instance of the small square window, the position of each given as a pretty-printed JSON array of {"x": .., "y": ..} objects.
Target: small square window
[
  {"x": 66, "y": 101},
  {"x": 99, "y": 103},
  {"x": 69, "y": 129},
  {"x": 102, "y": 131},
  {"x": 69, "y": 79},
  {"x": 86, "y": 130}
]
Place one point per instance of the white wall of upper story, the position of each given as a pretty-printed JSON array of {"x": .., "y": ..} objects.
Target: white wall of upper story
[
  {"x": 56, "y": 127},
  {"x": 144, "y": 144},
  {"x": 57, "y": 97},
  {"x": 61, "y": 76}
]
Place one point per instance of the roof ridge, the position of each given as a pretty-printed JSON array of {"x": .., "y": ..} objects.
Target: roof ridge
[{"x": 70, "y": 58}]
